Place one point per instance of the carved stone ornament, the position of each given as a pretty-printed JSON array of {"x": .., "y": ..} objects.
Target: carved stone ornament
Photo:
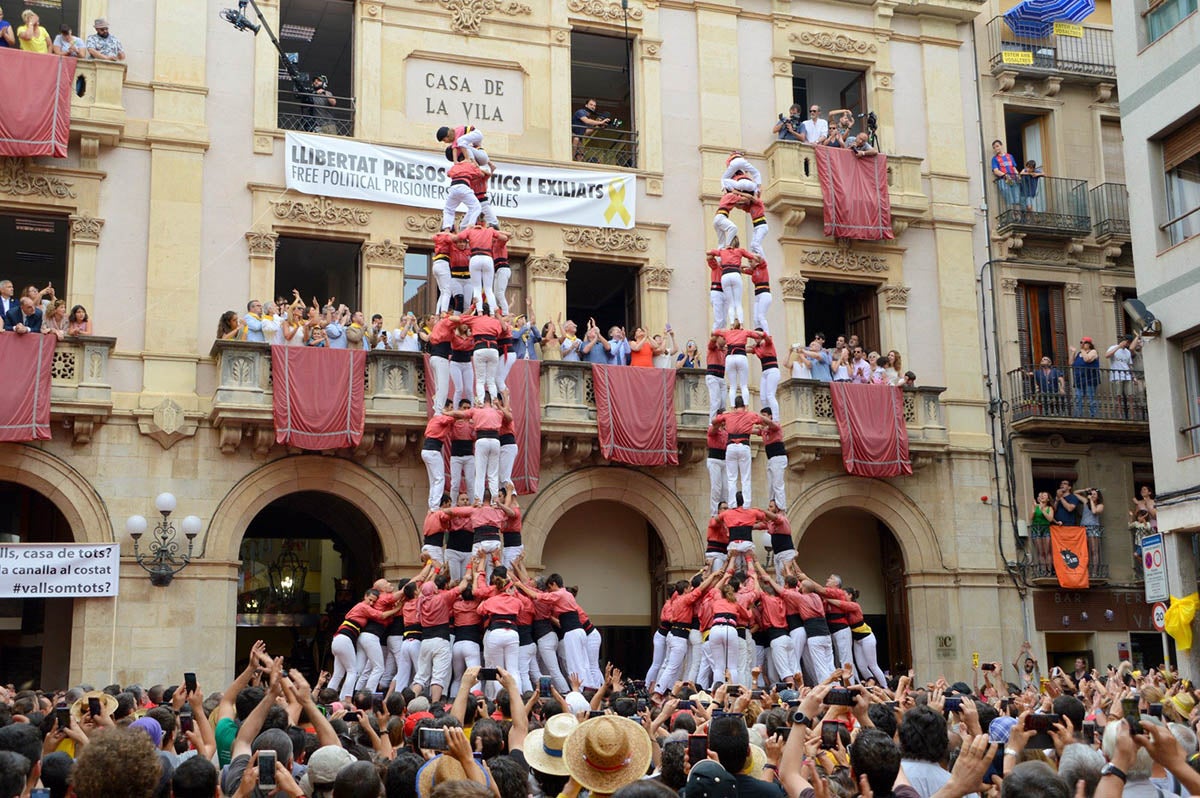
[
  {"x": 836, "y": 43},
  {"x": 896, "y": 296},
  {"x": 466, "y": 15},
  {"x": 521, "y": 232},
  {"x": 792, "y": 286},
  {"x": 550, "y": 266},
  {"x": 423, "y": 224},
  {"x": 384, "y": 252},
  {"x": 1009, "y": 285},
  {"x": 1073, "y": 290},
  {"x": 845, "y": 260},
  {"x": 1048, "y": 254},
  {"x": 658, "y": 276},
  {"x": 262, "y": 242},
  {"x": 85, "y": 228},
  {"x": 605, "y": 238},
  {"x": 321, "y": 211},
  {"x": 167, "y": 422},
  {"x": 1108, "y": 292},
  {"x": 17, "y": 180},
  {"x": 1104, "y": 92},
  {"x": 605, "y": 12}
]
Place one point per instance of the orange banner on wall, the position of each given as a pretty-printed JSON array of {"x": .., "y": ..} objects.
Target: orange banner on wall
[{"x": 1069, "y": 548}]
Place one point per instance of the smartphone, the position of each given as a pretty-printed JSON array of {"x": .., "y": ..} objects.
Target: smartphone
[
  {"x": 829, "y": 734},
  {"x": 697, "y": 749},
  {"x": 432, "y": 739},
  {"x": 1089, "y": 731},
  {"x": 186, "y": 722},
  {"x": 892, "y": 705},
  {"x": 685, "y": 704},
  {"x": 1004, "y": 702},
  {"x": 94, "y": 707},
  {"x": 487, "y": 674},
  {"x": 1156, "y": 711},
  {"x": 189, "y": 682},
  {"x": 988, "y": 666},
  {"x": 351, "y": 717},
  {"x": 39, "y": 792},
  {"x": 953, "y": 704},
  {"x": 544, "y": 683},
  {"x": 323, "y": 709},
  {"x": 756, "y": 695},
  {"x": 1042, "y": 723},
  {"x": 780, "y": 687},
  {"x": 1129, "y": 708},
  {"x": 641, "y": 705},
  {"x": 595, "y": 713},
  {"x": 839, "y": 697},
  {"x": 266, "y": 770},
  {"x": 733, "y": 691}
]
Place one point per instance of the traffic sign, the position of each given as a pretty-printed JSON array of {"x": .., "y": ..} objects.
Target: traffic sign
[
  {"x": 1154, "y": 568},
  {"x": 1159, "y": 613}
]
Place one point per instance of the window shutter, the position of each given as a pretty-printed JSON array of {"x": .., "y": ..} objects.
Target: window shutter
[
  {"x": 1181, "y": 145},
  {"x": 1023, "y": 337},
  {"x": 1058, "y": 316}
]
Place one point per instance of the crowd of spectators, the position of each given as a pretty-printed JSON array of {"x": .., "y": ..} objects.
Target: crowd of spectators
[
  {"x": 836, "y": 131},
  {"x": 1052, "y": 387},
  {"x": 39, "y": 311},
  {"x": 31, "y": 36},
  {"x": 1078, "y": 732},
  {"x": 847, "y": 361}
]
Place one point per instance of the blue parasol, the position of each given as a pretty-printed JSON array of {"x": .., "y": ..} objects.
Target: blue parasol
[{"x": 1034, "y": 19}]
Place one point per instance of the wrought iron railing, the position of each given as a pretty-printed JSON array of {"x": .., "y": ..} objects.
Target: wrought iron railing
[
  {"x": 310, "y": 113},
  {"x": 609, "y": 147},
  {"x": 1089, "y": 55},
  {"x": 1042, "y": 553},
  {"x": 1110, "y": 211},
  {"x": 1083, "y": 393},
  {"x": 1056, "y": 206}
]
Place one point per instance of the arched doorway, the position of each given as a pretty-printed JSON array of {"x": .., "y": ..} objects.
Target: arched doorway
[
  {"x": 861, "y": 549},
  {"x": 35, "y": 633},
  {"x": 305, "y": 558}
]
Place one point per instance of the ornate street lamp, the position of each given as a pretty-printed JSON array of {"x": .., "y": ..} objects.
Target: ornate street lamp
[{"x": 163, "y": 560}]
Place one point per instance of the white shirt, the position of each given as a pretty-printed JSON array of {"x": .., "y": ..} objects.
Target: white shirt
[
  {"x": 406, "y": 343},
  {"x": 1122, "y": 360},
  {"x": 814, "y": 131},
  {"x": 740, "y": 164}
]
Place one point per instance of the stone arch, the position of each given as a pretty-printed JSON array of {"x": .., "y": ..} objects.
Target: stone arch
[
  {"x": 655, "y": 501},
  {"x": 910, "y": 526},
  {"x": 70, "y": 492},
  {"x": 360, "y": 486}
]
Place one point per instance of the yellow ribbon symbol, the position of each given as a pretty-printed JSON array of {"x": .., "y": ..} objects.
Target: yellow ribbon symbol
[{"x": 616, "y": 202}]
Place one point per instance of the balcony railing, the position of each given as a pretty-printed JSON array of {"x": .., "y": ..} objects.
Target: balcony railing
[
  {"x": 306, "y": 113},
  {"x": 1076, "y": 393},
  {"x": 1042, "y": 554},
  {"x": 1087, "y": 56},
  {"x": 1048, "y": 206},
  {"x": 1110, "y": 211},
  {"x": 80, "y": 392},
  {"x": 97, "y": 100},
  {"x": 610, "y": 146},
  {"x": 806, "y": 410}
]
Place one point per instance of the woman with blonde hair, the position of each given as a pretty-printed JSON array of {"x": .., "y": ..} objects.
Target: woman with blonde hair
[{"x": 893, "y": 368}]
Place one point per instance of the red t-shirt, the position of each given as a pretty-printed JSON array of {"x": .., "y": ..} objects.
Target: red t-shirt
[
  {"x": 439, "y": 427},
  {"x": 480, "y": 239},
  {"x": 739, "y": 424},
  {"x": 741, "y": 520},
  {"x": 486, "y": 418}
]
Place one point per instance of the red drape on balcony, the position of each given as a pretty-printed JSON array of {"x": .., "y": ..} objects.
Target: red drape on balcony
[
  {"x": 318, "y": 396},
  {"x": 37, "y": 103},
  {"x": 524, "y": 383},
  {"x": 855, "y": 190},
  {"x": 25, "y": 389},
  {"x": 870, "y": 421},
  {"x": 1069, "y": 551},
  {"x": 635, "y": 415}
]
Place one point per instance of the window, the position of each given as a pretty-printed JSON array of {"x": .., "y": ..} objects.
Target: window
[
  {"x": 1041, "y": 323},
  {"x": 601, "y": 71},
  {"x": 36, "y": 252},
  {"x": 1112, "y": 151},
  {"x": 317, "y": 39},
  {"x": 52, "y": 15},
  {"x": 1125, "y": 323},
  {"x": 843, "y": 309},
  {"x": 606, "y": 292},
  {"x": 830, "y": 89},
  {"x": 421, "y": 293},
  {"x": 1162, "y": 15},
  {"x": 1181, "y": 163},
  {"x": 1027, "y": 136},
  {"x": 318, "y": 269},
  {"x": 1191, "y": 376}
]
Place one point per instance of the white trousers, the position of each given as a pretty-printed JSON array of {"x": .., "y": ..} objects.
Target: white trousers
[
  {"x": 717, "y": 560},
  {"x": 716, "y": 395},
  {"x": 718, "y": 305},
  {"x": 867, "y": 659},
  {"x": 469, "y": 142},
  {"x": 547, "y": 650},
  {"x": 731, "y": 286},
  {"x": 725, "y": 228},
  {"x": 818, "y": 657},
  {"x": 406, "y": 662},
  {"x": 762, "y": 303},
  {"x": 462, "y": 476},
  {"x": 487, "y": 456},
  {"x": 464, "y": 654},
  {"x": 756, "y": 239},
  {"x": 575, "y": 650},
  {"x": 672, "y": 669},
  {"x": 737, "y": 377},
  {"x": 460, "y": 194},
  {"x": 659, "y": 645},
  {"x": 530, "y": 672},
  {"x": 749, "y": 657},
  {"x": 500, "y": 283},
  {"x": 440, "y": 368},
  {"x": 508, "y": 457},
  {"x": 705, "y": 676},
  {"x": 843, "y": 646},
  {"x": 441, "y": 273},
  {"x": 799, "y": 639},
  {"x": 505, "y": 365},
  {"x": 435, "y": 467},
  {"x": 433, "y": 666},
  {"x": 369, "y": 645},
  {"x": 776, "y": 472},
  {"x": 695, "y": 655},
  {"x": 488, "y": 212},
  {"x": 718, "y": 485},
  {"x": 464, "y": 377},
  {"x": 768, "y": 385},
  {"x": 486, "y": 363},
  {"x": 509, "y": 554},
  {"x": 737, "y": 465},
  {"x": 391, "y": 659},
  {"x": 457, "y": 562},
  {"x": 501, "y": 649},
  {"x": 596, "y": 680},
  {"x": 781, "y": 659},
  {"x": 344, "y": 665},
  {"x": 782, "y": 558},
  {"x": 483, "y": 275}
]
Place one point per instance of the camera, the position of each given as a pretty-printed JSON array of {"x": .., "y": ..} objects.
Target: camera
[
  {"x": 604, "y": 116},
  {"x": 238, "y": 18}
]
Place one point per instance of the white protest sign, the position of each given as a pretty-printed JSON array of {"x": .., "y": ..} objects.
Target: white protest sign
[
  {"x": 337, "y": 167},
  {"x": 59, "y": 570}
]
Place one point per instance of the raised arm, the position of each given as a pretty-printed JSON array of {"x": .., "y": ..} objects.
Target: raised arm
[{"x": 227, "y": 708}]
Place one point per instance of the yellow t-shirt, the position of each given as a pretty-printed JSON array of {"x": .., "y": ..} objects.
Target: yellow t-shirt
[{"x": 38, "y": 44}]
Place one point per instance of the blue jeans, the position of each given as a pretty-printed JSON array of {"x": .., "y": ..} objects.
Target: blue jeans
[
  {"x": 1090, "y": 392},
  {"x": 1010, "y": 191}
]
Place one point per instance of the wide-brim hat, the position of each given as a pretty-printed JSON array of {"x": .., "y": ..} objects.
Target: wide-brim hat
[
  {"x": 79, "y": 708},
  {"x": 442, "y": 768},
  {"x": 543, "y": 747},
  {"x": 604, "y": 754}
]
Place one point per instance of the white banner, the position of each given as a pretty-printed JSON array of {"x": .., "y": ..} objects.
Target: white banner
[
  {"x": 59, "y": 570},
  {"x": 338, "y": 167}
]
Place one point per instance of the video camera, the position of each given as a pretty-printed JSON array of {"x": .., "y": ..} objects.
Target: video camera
[
  {"x": 795, "y": 120},
  {"x": 606, "y": 117},
  {"x": 238, "y": 18},
  {"x": 872, "y": 120}
]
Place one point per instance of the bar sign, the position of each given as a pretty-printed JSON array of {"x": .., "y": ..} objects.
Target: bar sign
[
  {"x": 1017, "y": 57},
  {"x": 1068, "y": 29}
]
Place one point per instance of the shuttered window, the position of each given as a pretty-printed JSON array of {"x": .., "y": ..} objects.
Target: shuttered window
[
  {"x": 1112, "y": 151},
  {"x": 1181, "y": 145},
  {"x": 1042, "y": 323}
]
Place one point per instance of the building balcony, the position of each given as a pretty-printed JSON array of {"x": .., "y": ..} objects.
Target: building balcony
[
  {"x": 1042, "y": 556},
  {"x": 1110, "y": 213},
  {"x": 793, "y": 189},
  {"x": 80, "y": 392},
  {"x": 97, "y": 102},
  {"x": 296, "y": 112},
  {"x": 1086, "y": 58},
  {"x": 1039, "y": 402},
  {"x": 1048, "y": 207}
]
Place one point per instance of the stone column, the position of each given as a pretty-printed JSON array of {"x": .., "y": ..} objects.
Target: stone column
[
  {"x": 560, "y": 91},
  {"x": 262, "y": 245},
  {"x": 655, "y": 283},
  {"x": 792, "y": 288},
  {"x": 383, "y": 279},
  {"x": 1073, "y": 310},
  {"x": 85, "y": 240},
  {"x": 719, "y": 72},
  {"x": 649, "y": 119},
  {"x": 547, "y": 276},
  {"x": 894, "y": 329},
  {"x": 368, "y": 89},
  {"x": 265, "y": 83},
  {"x": 880, "y": 86}
]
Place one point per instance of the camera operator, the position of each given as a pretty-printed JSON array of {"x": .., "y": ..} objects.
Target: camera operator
[
  {"x": 322, "y": 101},
  {"x": 789, "y": 127},
  {"x": 584, "y": 122}
]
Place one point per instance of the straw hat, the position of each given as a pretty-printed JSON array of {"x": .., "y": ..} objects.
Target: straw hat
[
  {"x": 604, "y": 754},
  {"x": 755, "y": 762},
  {"x": 543, "y": 747},
  {"x": 440, "y": 769},
  {"x": 79, "y": 708}
]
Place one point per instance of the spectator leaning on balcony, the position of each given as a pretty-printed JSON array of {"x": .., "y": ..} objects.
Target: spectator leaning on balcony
[
  {"x": 1050, "y": 385},
  {"x": 861, "y": 147},
  {"x": 1085, "y": 364},
  {"x": 583, "y": 123},
  {"x": 103, "y": 45},
  {"x": 33, "y": 37},
  {"x": 1030, "y": 177},
  {"x": 788, "y": 127},
  {"x": 25, "y": 318},
  {"x": 1066, "y": 504},
  {"x": 67, "y": 43},
  {"x": 1004, "y": 169},
  {"x": 1121, "y": 369}
]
